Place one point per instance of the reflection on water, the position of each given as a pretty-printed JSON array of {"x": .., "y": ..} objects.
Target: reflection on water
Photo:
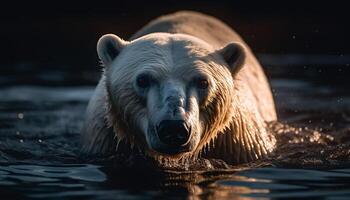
[
  {"x": 290, "y": 183},
  {"x": 96, "y": 182},
  {"x": 39, "y": 151}
]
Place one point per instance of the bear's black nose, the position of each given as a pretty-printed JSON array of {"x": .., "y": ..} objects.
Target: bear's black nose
[{"x": 173, "y": 132}]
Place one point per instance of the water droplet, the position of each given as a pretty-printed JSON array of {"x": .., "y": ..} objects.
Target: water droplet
[
  {"x": 20, "y": 115},
  {"x": 40, "y": 141},
  {"x": 18, "y": 133},
  {"x": 21, "y": 140}
]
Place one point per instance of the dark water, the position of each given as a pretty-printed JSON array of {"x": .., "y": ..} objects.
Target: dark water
[{"x": 39, "y": 146}]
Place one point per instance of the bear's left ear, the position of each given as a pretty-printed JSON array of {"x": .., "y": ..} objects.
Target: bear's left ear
[
  {"x": 109, "y": 47},
  {"x": 234, "y": 55}
]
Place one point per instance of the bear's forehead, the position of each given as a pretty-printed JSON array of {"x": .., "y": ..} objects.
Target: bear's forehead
[
  {"x": 171, "y": 50},
  {"x": 170, "y": 44},
  {"x": 164, "y": 55}
]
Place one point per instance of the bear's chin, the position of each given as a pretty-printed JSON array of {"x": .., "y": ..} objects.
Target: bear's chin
[
  {"x": 162, "y": 158},
  {"x": 171, "y": 151}
]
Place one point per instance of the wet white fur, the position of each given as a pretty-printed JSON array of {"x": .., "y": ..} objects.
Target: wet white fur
[{"x": 245, "y": 138}]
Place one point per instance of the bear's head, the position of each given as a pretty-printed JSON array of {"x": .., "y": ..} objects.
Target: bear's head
[{"x": 169, "y": 94}]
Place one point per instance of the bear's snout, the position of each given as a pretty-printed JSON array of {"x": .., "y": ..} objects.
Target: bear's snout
[{"x": 173, "y": 132}]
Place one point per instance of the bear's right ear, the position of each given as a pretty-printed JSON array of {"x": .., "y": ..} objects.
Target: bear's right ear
[
  {"x": 108, "y": 48},
  {"x": 234, "y": 54}
]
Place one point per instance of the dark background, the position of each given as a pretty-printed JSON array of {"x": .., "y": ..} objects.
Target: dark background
[{"x": 53, "y": 43}]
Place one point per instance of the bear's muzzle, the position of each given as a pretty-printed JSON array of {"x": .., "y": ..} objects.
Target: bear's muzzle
[{"x": 174, "y": 133}]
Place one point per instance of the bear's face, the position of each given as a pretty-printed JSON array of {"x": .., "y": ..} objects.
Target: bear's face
[{"x": 170, "y": 93}]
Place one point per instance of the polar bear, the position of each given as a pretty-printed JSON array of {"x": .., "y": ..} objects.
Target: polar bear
[{"x": 184, "y": 86}]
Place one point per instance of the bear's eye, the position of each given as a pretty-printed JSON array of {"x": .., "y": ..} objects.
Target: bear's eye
[
  {"x": 202, "y": 83},
  {"x": 143, "y": 81}
]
